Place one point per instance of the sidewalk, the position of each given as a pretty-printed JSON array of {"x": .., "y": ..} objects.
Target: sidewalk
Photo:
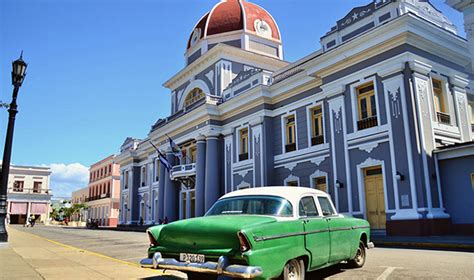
[
  {"x": 28, "y": 256},
  {"x": 448, "y": 242}
]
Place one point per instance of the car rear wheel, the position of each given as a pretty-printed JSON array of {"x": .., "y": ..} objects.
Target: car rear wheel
[
  {"x": 294, "y": 270},
  {"x": 359, "y": 260}
]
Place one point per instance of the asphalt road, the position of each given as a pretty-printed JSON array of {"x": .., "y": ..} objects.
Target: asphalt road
[{"x": 382, "y": 263}]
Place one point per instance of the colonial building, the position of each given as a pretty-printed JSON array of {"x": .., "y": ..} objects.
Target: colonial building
[
  {"x": 104, "y": 192},
  {"x": 28, "y": 193},
  {"x": 359, "y": 118},
  {"x": 80, "y": 196}
]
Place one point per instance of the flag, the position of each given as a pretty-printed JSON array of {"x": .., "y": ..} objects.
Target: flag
[
  {"x": 162, "y": 158},
  {"x": 175, "y": 148}
]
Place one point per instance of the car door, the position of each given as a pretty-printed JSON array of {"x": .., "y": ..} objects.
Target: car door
[
  {"x": 339, "y": 231},
  {"x": 316, "y": 232}
]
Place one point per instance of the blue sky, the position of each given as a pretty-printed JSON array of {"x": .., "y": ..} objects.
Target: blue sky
[{"x": 96, "y": 69}]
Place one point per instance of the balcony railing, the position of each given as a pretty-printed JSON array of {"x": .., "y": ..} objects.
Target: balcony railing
[
  {"x": 367, "y": 123},
  {"x": 183, "y": 170},
  {"x": 317, "y": 140},
  {"x": 443, "y": 118},
  {"x": 97, "y": 197},
  {"x": 290, "y": 147},
  {"x": 244, "y": 156},
  {"x": 30, "y": 191}
]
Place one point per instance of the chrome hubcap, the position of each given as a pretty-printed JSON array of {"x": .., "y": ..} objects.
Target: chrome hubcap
[
  {"x": 293, "y": 269},
  {"x": 359, "y": 256}
]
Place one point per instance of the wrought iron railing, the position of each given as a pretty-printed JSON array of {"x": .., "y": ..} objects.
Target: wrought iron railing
[
  {"x": 183, "y": 170},
  {"x": 97, "y": 197},
  {"x": 367, "y": 123},
  {"x": 443, "y": 118},
  {"x": 317, "y": 140},
  {"x": 243, "y": 156},
  {"x": 30, "y": 190},
  {"x": 290, "y": 147}
]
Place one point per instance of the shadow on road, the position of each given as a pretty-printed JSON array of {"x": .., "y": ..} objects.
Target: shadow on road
[{"x": 315, "y": 275}]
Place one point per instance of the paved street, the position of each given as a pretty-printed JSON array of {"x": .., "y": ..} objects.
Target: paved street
[{"x": 382, "y": 263}]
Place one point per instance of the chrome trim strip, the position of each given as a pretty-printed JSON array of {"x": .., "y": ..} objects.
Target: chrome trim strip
[
  {"x": 358, "y": 227},
  {"x": 340, "y": 229},
  {"x": 277, "y": 236}
]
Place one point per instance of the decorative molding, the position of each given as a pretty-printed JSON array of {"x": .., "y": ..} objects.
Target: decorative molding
[
  {"x": 291, "y": 166},
  {"x": 243, "y": 185},
  {"x": 318, "y": 160},
  {"x": 461, "y": 99},
  {"x": 370, "y": 162},
  {"x": 395, "y": 101},
  {"x": 290, "y": 178},
  {"x": 369, "y": 147},
  {"x": 210, "y": 76},
  {"x": 257, "y": 144},
  {"x": 337, "y": 114},
  {"x": 421, "y": 88},
  {"x": 242, "y": 173}
]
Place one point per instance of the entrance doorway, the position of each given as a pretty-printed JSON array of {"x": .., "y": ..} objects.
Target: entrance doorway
[
  {"x": 374, "y": 197},
  {"x": 187, "y": 203}
]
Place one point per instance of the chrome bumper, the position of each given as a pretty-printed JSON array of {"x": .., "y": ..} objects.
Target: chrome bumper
[
  {"x": 370, "y": 245},
  {"x": 221, "y": 267}
]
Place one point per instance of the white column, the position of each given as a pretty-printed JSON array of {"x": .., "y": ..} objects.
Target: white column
[
  {"x": 28, "y": 210},
  {"x": 462, "y": 110}
]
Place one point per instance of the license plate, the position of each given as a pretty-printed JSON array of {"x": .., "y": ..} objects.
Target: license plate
[{"x": 191, "y": 258}]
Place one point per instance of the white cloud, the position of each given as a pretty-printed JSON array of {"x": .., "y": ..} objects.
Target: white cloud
[{"x": 67, "y": 178}]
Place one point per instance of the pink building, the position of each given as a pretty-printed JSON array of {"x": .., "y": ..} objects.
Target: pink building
[{"x": 104, "y": 192}]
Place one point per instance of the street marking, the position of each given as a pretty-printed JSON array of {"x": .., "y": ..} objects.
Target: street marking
[
  {"x": 387, "y": 272},
  {"x": 81, "y": 249}
]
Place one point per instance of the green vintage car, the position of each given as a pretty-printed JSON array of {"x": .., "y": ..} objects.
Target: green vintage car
[{"x": 261, "y": 233}]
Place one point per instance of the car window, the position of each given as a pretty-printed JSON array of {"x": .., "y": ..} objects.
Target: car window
[
  {"x": 308, "y": 207},
  {"x": 326, "y": 206},
  {"x": 252, "y": 205}
]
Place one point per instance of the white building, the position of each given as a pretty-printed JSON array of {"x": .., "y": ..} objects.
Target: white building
[{"x": 28, "y": 193}]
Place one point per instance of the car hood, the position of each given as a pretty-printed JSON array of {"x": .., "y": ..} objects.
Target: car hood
[{"x": 210, "y": 232}]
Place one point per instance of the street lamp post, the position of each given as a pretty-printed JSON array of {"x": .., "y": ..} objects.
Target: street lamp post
[{"x": 18, "y": 75}]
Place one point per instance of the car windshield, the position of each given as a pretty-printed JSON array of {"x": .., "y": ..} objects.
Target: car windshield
[{"x": 252, "y": 205}]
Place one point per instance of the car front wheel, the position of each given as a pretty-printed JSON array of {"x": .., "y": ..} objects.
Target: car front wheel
[
  {"x": 359, "y": 260},
  {"x": 294, "y": 270}
]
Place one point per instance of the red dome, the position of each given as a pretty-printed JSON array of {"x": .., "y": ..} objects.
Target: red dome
[{"x": 234, "y": 15}]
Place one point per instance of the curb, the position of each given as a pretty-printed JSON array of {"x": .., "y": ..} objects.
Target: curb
[{"x": 421, "y": 245}]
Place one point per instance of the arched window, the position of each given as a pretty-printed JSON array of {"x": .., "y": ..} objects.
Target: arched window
[{"x": 193, "y": 96}]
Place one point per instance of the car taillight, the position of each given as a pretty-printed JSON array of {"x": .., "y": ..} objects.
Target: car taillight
[
  {"x": 152, "y": 239},
  {"x": 244, "y": 242}
]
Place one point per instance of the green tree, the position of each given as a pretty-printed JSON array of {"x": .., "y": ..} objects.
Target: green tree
[{"x": 74, "y": 209}]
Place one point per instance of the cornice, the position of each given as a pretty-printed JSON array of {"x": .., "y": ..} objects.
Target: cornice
[
  {"x": 408, "y": 28},
  {"x": 221, "y": 51}
]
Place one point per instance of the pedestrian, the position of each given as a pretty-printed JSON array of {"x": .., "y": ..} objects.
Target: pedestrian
[
  {"x": 160, "y": 221},
  {"x": 141, "y": 221},
  {"x": 28, "y": 221},
  {"x": 165, "y": 221},
  {"x": 32, "y": 220}
]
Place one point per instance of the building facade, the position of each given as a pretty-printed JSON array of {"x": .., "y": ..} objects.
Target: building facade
[
  {"x": 80, "y": 196},
  {"x": 104, "y": 192},
  {"x": 28, "y": 193},
  {"x": 359, "y": 118},
  {"x": 455, "y": 164}
]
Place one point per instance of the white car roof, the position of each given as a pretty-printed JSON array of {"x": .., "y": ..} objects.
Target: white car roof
[{"x": 293, "y": 194}]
